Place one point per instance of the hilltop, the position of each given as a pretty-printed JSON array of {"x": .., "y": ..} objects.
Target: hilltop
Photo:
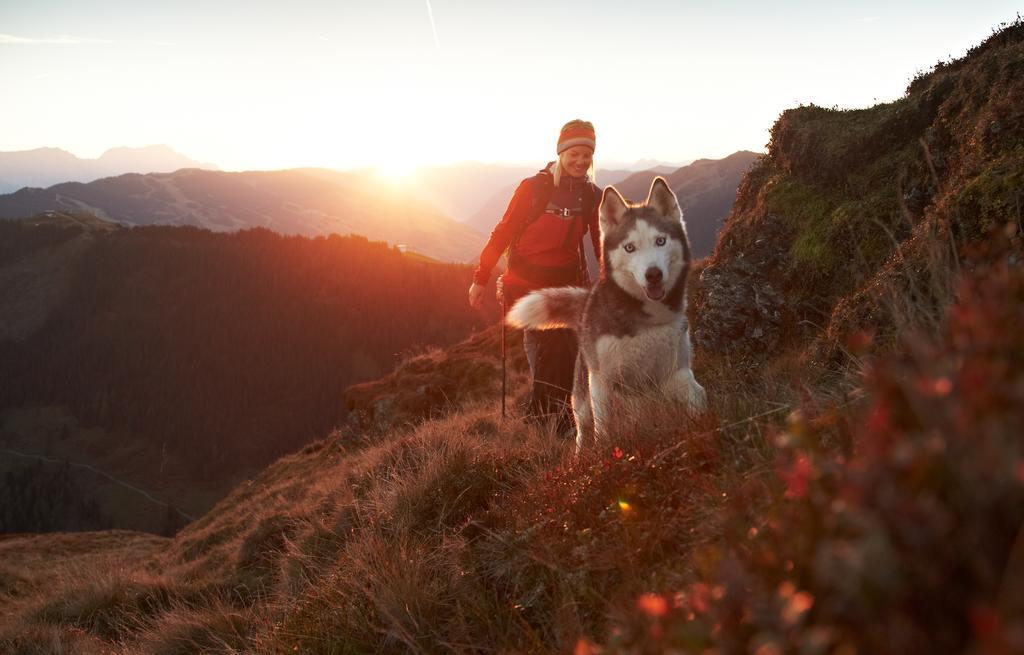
[{"x": 856, "y": 487}]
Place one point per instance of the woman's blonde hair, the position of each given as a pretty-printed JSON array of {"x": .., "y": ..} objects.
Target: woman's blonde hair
[{"x": 556, "y": 171}]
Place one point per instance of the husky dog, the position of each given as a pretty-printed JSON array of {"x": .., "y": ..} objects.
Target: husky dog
[{"x": 633, "y": 333}]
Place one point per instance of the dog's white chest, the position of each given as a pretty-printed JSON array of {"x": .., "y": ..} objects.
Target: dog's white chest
[{"x": 649, "y": 356}]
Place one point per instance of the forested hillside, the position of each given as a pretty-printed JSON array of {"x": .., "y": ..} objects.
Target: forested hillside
[{"x": 226, "y": 349}]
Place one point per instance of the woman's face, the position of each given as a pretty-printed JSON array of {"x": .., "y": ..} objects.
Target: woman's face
[{"x": 576, "y": 160}]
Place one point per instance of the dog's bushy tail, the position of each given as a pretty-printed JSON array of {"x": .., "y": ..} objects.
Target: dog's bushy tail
[{"x": 547, "y": 309}]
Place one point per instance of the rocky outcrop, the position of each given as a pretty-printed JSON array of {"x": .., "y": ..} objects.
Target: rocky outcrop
[
  {"x": 434, "y": 383},
  {"x": 742, "y": 310},
  {"x": 844, "y": 227}
]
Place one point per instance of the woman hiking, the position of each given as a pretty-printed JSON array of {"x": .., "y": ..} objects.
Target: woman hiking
[{"x": 543, "y": 230}]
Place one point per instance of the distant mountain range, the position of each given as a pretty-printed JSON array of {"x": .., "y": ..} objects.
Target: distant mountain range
[
  {"x": 469, "y": 191},
  {"x": 443, "y": 212},
  {"x": 307, "y": 202},
  {"x": 706, "y": 190},
  {"x": 43, "y": 167},
  {"x": 646, "y": 165},
  {"x": 485, "y": 216}
]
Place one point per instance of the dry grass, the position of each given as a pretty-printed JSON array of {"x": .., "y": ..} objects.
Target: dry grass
[
  {"x": 217, "y": 628},
  {"x": 49, "y": 600},
  {"x": 454, "y": 535},
  {"x": 39, "y": 564},
  {"x": 108, "y": 604},
  {"x": 52, "y": 640}
]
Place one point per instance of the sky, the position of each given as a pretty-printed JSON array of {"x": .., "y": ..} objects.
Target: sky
[{"x": 401, "y": 83}]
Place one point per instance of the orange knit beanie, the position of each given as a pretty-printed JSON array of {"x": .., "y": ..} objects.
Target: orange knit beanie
[{"x": 576, "y": 133}]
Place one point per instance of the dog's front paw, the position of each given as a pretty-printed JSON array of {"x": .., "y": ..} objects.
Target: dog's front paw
[
  {"x": 698, "y": 396},
  {"x": 684, "y": 389}
]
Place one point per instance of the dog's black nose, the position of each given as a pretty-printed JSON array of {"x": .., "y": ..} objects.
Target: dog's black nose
[{"x": 653, "y": 275}]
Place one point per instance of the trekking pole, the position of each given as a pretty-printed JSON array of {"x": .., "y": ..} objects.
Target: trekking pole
[{"x": 503, "y": 375}]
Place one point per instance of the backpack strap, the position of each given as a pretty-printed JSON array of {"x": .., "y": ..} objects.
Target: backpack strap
[
  {"x": 588, "y": 204},
  {"x": 586, "y": 207},
  {"x": 541, "y": 188},
  {"x": 589, "y": 199}
]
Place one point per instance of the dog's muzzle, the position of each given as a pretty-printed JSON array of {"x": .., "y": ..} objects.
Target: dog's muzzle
[{"x": 654, "y": 288}]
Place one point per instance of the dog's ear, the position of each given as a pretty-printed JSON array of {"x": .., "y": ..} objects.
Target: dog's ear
[
  {"x": 663, "y": 200},
  {"x": 613, "y": 208}
]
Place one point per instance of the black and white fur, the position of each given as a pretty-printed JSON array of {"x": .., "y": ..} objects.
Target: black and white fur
[{"x": 632, "y": 327}]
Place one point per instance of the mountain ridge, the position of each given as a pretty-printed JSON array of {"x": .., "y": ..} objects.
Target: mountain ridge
[
  {"x": 44, "y": 167},
  {"x": 706, "y": 189},
  {"x": 308, "y": 202}
]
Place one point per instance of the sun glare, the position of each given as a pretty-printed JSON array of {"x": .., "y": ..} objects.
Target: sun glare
[{"x": 396, "y": 172}]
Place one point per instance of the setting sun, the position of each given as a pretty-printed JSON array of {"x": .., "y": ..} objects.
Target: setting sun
[{"x": 396, "y": 172}]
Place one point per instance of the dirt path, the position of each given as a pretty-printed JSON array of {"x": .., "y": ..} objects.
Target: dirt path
[{"x": 103, "y": 474}]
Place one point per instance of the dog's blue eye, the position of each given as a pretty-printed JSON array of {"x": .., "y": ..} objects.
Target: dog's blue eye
[
  {"x": 629, "y": 247},
  {"x": 660, "y": 241}
]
